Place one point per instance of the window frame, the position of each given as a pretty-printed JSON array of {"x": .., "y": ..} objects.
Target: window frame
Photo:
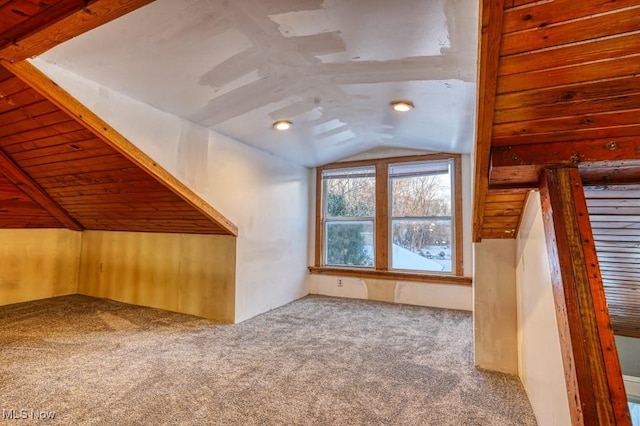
[{"x": 382, "y": 224}]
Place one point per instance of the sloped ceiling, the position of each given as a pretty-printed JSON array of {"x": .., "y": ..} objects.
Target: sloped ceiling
[
  {"x": 54, "y": 172},
  {"x": 332, "y": 67}
]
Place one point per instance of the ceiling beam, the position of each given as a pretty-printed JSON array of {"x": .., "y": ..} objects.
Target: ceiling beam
[
  {"x": 601, "y": 161},
  {"x": 19, "y": 178},
  {"x": 47, "y": 15},
  {"x": 491, "y": 15},
  {"x": 82, "y": 20},
  {"x": 87, "y": 118}
]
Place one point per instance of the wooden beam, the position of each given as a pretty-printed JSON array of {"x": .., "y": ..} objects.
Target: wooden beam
[
  {"x": 87, "y": 118},
  {"x": 601, "y": 160},
  {"x": 592, "y": 369},
  {"x": 81, "y": 21},
  {"x": 19, "y": 178},
  {"x": 491, "y": 15},
  {"x": 567, "y": 153},
  {"x": 45, "y": 16}
]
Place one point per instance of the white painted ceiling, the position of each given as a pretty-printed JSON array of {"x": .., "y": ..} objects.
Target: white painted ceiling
[{"x": 332, "y": 67}]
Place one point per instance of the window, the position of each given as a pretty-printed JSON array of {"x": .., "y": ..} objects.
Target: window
[
  {"x": 421, "y": 231},
  {"x": 349, "y": 210},
  {"x": 390, "y": 216}
]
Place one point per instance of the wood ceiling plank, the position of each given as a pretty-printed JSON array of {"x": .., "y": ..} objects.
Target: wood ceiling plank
[
  {"x": 50, "y": 119},
  {"x": 27, "y": 112},
  {"x": 596, "y": 71},
  {"x": 100, "y": 128},
  {"x": 570, "y": 135},
  {"x": 17, "y": 148},
  {"x": 12, "y": 102},
  {"x": 50, "y": 131},
  {"x": 68, "y": 156},
  {"x": 630, "y": 101},
  {"x": 498, "y": 197},
  {"x": 491, "y": 14},
  {"x": 10, "y": 84},
  {"x": 56, "y": 147},
  {"x": 591, "y": 27},
  {"x": 13, "y": 173},
  {"x": 604, "y": 120},
  {"x": 542, "y": 14},
  {"x": 87, "y": 18},
  {"x": 568, "y": 55},
  {"x": 112, "y": 162},
  {"x": 618, "y": 86},
  {"x": 102, "y": 188},
  {"x": 103, "y": 176}
]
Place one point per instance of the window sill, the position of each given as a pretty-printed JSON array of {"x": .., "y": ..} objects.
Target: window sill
[{"x": 391, "y": 275}]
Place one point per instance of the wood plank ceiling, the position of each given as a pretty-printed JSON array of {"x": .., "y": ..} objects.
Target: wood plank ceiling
[
  {"x": 59, "y": 167},
  {"x": 559, "y": 85}
]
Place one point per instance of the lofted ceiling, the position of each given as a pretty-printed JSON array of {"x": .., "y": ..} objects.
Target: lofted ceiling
[{"x": 330, "y": 66}]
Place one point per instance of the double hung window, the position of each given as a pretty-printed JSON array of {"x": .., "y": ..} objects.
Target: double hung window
[{"x": 396, "y": 214}]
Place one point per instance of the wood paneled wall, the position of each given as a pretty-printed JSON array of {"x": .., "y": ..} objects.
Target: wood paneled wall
[
  {"x": 193, "y": 274},
  {"x": 38, "y": 263}
]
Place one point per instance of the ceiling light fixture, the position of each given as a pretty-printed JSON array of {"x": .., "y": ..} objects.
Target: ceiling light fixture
[
  {"x": 402, "y": 106},
  {"x": 282, "y": 125}
]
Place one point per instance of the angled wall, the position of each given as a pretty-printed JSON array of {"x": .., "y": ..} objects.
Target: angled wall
[
  {"x": 265, "y": 196},
  {"x": 192, "y": 274},
  {"x": 38, "y": 263}
]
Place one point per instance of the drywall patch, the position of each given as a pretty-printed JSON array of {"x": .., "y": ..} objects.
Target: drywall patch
[
  {"x": 434, "y": 295},
  {"x": 381, "y": 290}
]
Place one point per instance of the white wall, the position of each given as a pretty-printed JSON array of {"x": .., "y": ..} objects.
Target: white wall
[
  {"x": 265, "y": 196},
  {"x": 629, "y": 354},
  {"x": 405, "y": 292},
  {"x": 540, "y": 360},
  {"x": 494, "y": 300}
]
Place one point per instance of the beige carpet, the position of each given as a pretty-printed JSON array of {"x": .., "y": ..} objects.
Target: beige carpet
[{"x": 316, "y": 361}]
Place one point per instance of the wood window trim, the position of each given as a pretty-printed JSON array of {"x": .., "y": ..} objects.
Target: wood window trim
[
  {"x": 382, "y": 223},
  {"x": 390, "y": 275}
]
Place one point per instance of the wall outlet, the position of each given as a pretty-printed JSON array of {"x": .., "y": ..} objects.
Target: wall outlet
[{"x": 339, "y": 282}]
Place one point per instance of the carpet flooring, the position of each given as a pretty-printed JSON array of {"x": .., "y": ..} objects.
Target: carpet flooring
[{"x": 316, "y": 361}]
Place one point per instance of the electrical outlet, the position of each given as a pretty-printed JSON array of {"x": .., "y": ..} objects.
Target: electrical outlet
[{"x": 339, "y": 282}]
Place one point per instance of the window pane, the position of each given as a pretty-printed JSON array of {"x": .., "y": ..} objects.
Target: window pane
[
  {"x": 350, "y": 192},
  {"x": 423, "y": 245},
  {"x": 421, "y": 189},
  {"x": 349, "y": 243}
]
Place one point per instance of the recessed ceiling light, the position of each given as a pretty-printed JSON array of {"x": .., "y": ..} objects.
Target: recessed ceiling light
[
  {"x": 282, "y": 125},
  {"x": 402, "y": 106}
]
